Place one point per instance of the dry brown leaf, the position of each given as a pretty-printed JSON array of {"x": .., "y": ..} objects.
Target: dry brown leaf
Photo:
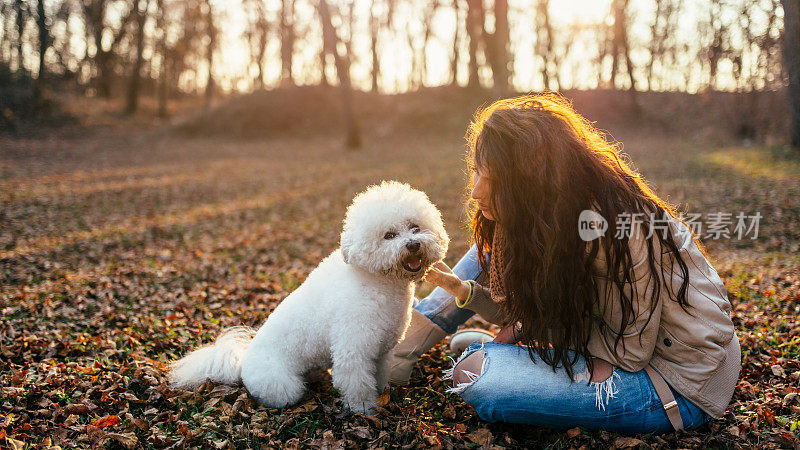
[
  {"x": 481, "y": 436},
  {"x": 627, "y": 442},
  {"x": 15, "y": 444},
  {"x": 127, "y": 440},
  {"x": 383, "y": 399},
  {"x": 359, "y": 433}
]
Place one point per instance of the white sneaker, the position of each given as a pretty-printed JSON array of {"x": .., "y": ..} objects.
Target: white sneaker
[{"x": 463, "y": 338}]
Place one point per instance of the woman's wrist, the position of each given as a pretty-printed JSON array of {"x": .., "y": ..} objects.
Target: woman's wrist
[{"x": 464, "y": 293}]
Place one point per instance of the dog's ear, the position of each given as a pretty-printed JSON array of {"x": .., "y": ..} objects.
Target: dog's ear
[
  {"x": 344, "y": 245},
  {"x": 346, "y": 254}
]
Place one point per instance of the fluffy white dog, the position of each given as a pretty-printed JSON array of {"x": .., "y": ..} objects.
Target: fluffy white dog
[{"x": 348, "y": 314}]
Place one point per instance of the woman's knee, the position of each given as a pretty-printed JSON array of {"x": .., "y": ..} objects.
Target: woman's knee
[{"x": 468, "y": 369}]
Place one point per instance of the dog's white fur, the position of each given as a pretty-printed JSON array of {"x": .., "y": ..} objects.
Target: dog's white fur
[{"x": 348, "y": 314}]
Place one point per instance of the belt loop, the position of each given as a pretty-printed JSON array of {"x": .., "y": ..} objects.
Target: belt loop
[{"x": 666, "y": 397}]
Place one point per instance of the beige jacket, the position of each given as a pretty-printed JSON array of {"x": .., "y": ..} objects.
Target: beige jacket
[{"x": 696, "y": 351}]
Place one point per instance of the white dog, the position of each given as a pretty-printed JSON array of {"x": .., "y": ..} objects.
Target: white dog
[{"x": 348, "y": 314}]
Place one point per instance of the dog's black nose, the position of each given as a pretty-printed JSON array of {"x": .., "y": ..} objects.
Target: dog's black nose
[{"x": 412, "y": 246}]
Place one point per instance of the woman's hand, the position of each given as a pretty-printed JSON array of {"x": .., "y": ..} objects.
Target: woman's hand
[
  {"x": 508, "y": 335},
  {"x": 441, "y": 275}
]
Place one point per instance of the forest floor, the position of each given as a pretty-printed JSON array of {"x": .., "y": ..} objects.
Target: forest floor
[{"x": 121, "y": 248}]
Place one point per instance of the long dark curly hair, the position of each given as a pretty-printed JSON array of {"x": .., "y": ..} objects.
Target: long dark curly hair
[{"x": 547, "y": 164}]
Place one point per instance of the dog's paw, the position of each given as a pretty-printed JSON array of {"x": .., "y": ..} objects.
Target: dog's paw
[{"x": 362, "y": 407}]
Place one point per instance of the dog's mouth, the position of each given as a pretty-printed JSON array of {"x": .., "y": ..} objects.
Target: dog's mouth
[{"x": 412, "y": 263}]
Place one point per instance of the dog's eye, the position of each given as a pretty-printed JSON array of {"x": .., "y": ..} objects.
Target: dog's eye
[
  {"x": 414, "y": 228},
  {"x": 390, "y": 235}
]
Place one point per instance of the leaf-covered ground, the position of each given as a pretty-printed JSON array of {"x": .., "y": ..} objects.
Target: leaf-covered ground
[{"x": 120, "y": 250}]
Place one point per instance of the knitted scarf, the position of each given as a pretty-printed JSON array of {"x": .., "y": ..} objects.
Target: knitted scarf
[{"x": 497, "y": 262}]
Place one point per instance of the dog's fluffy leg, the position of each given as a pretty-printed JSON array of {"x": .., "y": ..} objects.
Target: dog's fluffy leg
[
  {"x": 382, "y": 373},
  {"x": 220, "y": 362},
  {"x": 354, "y": 376},
  {"x": 272, "y": 380}
]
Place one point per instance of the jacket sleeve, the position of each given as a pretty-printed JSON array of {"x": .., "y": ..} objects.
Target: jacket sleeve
[
  {"x": 481, "y": 302},
  {"x": 640, "y": 332}
]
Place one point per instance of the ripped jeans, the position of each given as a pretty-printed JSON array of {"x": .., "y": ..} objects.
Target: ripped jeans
[{"x": 513, "y": 388}]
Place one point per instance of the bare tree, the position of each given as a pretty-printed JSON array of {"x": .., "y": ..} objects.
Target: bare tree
[
  {"x": 95, "y": 18},
  {"x": 163, "y": 69},
  {"x": 429, "y": 14},
  {"x": 791, "y": 55},
  {"x": 475, "y": 20},
  {"x": 497, "y": 46},
  {"x": 374, "y": 29},
  {"x": 5, "y": 40},
  {"x": 211, "y": 32},
  {"x": 661, "y": 31},
  {"x": 287, "y": 41},
  {"x": 544, "y": 40},
  {"x": 44, "y": 43},
  {"x": 716, "y": 48},
  {"x": 454, "y": 59},
  {"x": 21, "y": 10},
  {"x": 62, "y": 46},
  {"x": 257, "y": 36},
  {"x": 343, "y": 71},
  {"x": 132, "y": 98},
  {"x": 620, "y": 48}
]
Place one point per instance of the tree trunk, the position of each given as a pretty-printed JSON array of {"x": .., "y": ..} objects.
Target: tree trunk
[
  {"x": 19, "y": 5},
  {"x": 413, "y": 75},
  {"x": 44, "y": 41},
  {"x": 323, "y": 62},
  {"x": 621, "y": 47},
  {"x": 656, "y": 42},
  {"x": 475, "y": 16},
  {"x": 95, "y": 13},
  {"x": 544, "y": 39},
  {"x": 212, "y": 41},
  {"x": 287, "y": 42},
  {"x": 132, "y": 102},
  {"x": 163, "y": 76},
  {"x": 263, "y": 40},
  {"x": 163, "y": 89},
  {"x": 454, "y": 61},
  {"x": 791, "y": 55},
  {"x": 342, "y": 69},
  {"x": 497, "y": 46},
  {"x": 5, "y": 15},
  {"x": 430, "y": 13},
  {"x": 715, "y": 48},
  {"x": 374, "y": 27}
]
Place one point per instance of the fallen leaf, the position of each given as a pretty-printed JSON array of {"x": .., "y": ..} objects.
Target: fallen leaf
[
  {"x": 383, "y": 399},
  {"x": 107, "y": 421},
  {"x": 127, "y": 440},
  {"x": 15, "y": 444},
  {"x": 627, "y": 442},
  {"x": 481, "y": 436},
  {"x": 359, "y": 433}
]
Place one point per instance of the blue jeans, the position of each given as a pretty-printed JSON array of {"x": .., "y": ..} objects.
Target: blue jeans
[{"x": 513, "y": 388}]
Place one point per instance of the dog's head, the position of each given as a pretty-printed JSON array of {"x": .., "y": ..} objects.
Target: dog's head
[{"x": 394, "y": 230}]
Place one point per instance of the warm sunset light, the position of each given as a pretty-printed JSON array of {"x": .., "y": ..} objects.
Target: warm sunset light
[{"x": 399, "y": 224}]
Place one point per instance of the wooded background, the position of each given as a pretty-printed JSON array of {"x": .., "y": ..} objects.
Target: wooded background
[{"x": 166, "y": 49}]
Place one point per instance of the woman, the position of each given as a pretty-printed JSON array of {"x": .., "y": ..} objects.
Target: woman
[{"x": 625, "y": 329}]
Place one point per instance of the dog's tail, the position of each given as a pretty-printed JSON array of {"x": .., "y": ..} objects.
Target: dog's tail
[{"x": 220, "y": 362}]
